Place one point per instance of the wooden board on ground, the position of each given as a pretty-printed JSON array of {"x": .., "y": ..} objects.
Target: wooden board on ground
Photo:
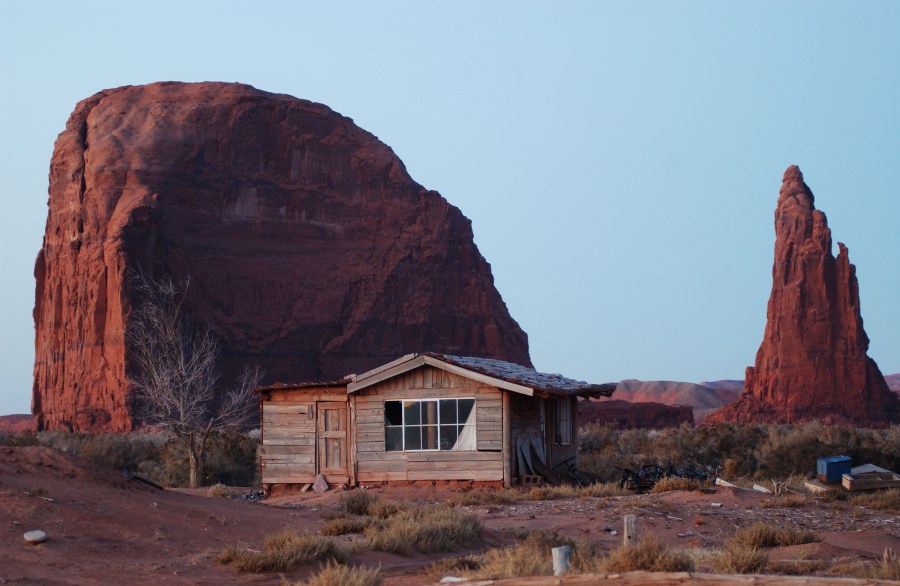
[{"x": 870, "y": 481}]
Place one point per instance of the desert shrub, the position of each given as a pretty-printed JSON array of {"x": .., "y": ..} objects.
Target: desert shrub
[
  {"x": 231, "y": 458},
  {"x": 357, "y": 502},
  {"x": 218, "y": 491},
  {"x": 673, "y": 483},
  {"x": 427, "y": 529},
  {"x": 345, "y": 525},
  {"x": 880, "y": 500},
  {"x": 795, "y": 567},
  {"x": 463, "y": 566},
  {"x": 736, "y": 559},
  {"x": 758, "y": 451},
  {"x": 649, "y": 555},
  {"x": 384, "y": 509},
  {"x": 283, "y": 551},
  {"x": 332, "y": 574},
  {"x": 764, "y": 535}
]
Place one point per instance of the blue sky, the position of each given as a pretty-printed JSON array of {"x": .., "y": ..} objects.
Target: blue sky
[{"x": 620, "y": 161}]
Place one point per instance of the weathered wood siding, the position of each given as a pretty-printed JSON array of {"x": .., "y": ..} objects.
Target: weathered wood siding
[
  {"x": 288, "y": 451},
  {"x": 374, "y": 464}
]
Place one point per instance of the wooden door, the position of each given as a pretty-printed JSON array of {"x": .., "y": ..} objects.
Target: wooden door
[{"x": 331, "y": 440}]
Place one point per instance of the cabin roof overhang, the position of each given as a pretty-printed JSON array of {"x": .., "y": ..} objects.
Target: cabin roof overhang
[
  {"x": 498, "y": 373},
  {"x": 299, "y": 386}
]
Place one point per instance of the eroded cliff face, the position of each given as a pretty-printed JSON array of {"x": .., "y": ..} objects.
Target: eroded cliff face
[
  {"x": 310, "y": 250},
  {"x": 812, "y": 362}
]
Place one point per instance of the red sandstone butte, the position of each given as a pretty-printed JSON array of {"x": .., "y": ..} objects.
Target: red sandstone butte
[
  {"x": 812, "y": 363},
  {"x": 309, "y": 248}
]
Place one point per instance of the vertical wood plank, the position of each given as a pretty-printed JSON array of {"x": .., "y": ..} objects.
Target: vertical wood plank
[
  {"x": 507, "y": 475},
  {"x": 631, "y": 530}
]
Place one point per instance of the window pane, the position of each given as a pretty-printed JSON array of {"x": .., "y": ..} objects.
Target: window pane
[
  {"x": 393, "y": 439},
  {"x": 411, "y": 413},
  {"x": 448, "y": 436},
  {"x": 448, "y": 411},
  {"x": 393, "y": 413},
  {"x": 413, "y": 437},
  {"x": 465, "y": 408},
  {"x": 429, "y": 412},
  {"x": 429, "y": 437}
]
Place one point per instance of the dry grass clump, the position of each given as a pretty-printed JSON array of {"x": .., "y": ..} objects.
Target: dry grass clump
[
  {"x": 345, "y": 525},
  {"x": 887, "y": 568},
  {"x": 384, "y": 509},
  {"x": 567, "y": 491},
  {"x": 530, "y": 557},
  {"x": 649, "y": 555},
  {"x": 357, "y": 502},
  {"x": 482, "y": 497},
  {"x": 673, "y": 483},
  {"x": 796, "y": 567},
  {"x": 880, "y": 500},
  {"x": 765, "y": 535},
  {"x": 282, "y": 552},
  {"x": 218, "y": 491},
  {"x": 333, "y": 574},
  {"x": 427, "y": 529},
  {"x": 736, "y": 559}
]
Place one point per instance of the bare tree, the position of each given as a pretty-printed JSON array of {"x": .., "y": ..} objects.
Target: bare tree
[{"x": 174, "y": 379}]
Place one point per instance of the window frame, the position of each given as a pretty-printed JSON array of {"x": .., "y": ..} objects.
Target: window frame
[{"x": 438, "y": 425}]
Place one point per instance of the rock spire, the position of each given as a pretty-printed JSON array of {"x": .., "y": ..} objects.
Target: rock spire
[{"x": 812, "y": 362}]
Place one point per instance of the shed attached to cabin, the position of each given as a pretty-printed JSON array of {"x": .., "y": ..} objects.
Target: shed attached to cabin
[{"x": 424, "y": 417}]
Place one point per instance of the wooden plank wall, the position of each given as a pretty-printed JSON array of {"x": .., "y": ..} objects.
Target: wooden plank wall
[
  {"x": 525, "y": 418},
  {"x": 427, "y": 382},
  {"x": 288, "y": 453}
]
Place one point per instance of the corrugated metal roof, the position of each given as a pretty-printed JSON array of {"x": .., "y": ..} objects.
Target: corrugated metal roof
[{"x": 550, "y": 383}]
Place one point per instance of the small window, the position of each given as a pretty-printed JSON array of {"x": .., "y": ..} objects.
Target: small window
[
  {"x": 429, "y": 424},
  {"x": 564, "y": 423}
]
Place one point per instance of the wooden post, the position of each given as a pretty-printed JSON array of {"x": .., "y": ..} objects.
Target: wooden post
[
  {"x": 631, "y": 530},
  {"x": 561, "y": 560}
]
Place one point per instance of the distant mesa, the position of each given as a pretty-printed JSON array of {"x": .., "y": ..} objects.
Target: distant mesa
[
  {"x": 310, "y": 250},
  {"x": 16, "y": 423},
  {"x": 893, "y": 382},
  {"x": 812, "y": 363},
  {"x": 702, "y": 399},
  {"x": 633, "y": 415}
]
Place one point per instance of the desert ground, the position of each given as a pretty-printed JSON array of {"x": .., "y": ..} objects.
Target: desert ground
[{"x": 103, "y": 527}]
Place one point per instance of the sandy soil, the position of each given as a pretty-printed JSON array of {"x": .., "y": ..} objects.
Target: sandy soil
[{"x": 103, "y": 527}]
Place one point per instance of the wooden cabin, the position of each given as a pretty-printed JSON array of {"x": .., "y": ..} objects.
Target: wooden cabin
[{"x": 424, "y": 417}]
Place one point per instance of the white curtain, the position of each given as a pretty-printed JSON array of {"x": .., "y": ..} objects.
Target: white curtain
[{"x": 466, "y": 438}]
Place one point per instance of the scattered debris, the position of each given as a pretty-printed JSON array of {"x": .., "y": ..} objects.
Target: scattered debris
[
  {"x": 760, "y": 488},
  {"x": 253, "y": 495},
  {"x": 870, "y": 481}
]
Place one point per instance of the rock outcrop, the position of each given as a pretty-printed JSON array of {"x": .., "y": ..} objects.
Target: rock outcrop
[
  {"x": 812, "y": 362},
  {"x": 310, "y": 250},
  {"x": 627, "y": 415}
]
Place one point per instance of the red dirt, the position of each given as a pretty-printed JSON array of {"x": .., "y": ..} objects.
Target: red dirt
[{"x": 103, "y": 527}]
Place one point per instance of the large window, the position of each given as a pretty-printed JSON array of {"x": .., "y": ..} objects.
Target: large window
[{"x": 429, "y": 424}]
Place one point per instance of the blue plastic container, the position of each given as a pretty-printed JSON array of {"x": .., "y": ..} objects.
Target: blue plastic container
[{"x": 831, "y": 469}]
